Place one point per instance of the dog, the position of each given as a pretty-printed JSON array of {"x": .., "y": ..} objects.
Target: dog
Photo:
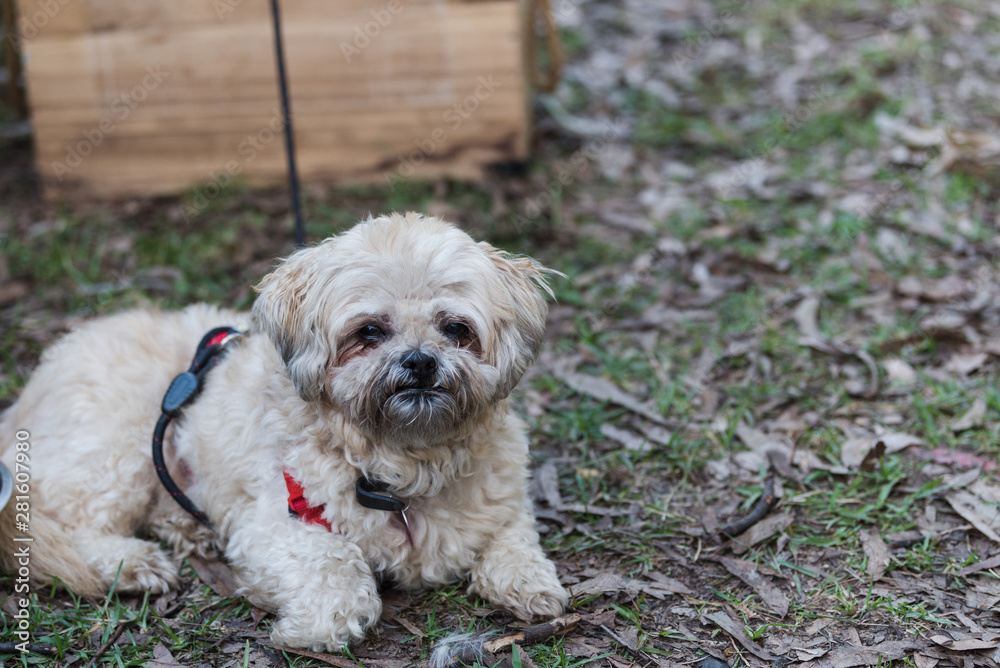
[{"x": 376, "y": 364}]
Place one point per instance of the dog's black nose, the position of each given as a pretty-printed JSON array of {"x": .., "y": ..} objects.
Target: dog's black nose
[{"x": 421, "y": 365}]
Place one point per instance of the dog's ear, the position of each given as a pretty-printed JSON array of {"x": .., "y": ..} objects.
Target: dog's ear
[
  {"x": 522, "y": 325},
  {"x": 286, "y": 310}
]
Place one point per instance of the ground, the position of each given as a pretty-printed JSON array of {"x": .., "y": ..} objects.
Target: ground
[{"x": 778, "y": 225}]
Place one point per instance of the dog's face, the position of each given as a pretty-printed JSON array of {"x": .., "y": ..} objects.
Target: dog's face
[{"x": 405, "y": 325}]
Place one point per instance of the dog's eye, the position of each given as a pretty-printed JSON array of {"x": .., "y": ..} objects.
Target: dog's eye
[
  {"x": 371, "y": 333},
  {"x": 456, "y": 330}
]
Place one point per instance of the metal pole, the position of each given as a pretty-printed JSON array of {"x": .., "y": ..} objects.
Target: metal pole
[{"x": 293, "y": 174}]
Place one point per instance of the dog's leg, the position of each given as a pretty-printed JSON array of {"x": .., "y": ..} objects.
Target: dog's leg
[
  {"x": 319, "y": 583},
  {"x": 143, "y": 565},
  {"x": 513, "y": 573}
]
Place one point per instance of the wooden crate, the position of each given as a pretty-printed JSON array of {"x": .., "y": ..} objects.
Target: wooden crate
[{"x": 158, "y": 96}]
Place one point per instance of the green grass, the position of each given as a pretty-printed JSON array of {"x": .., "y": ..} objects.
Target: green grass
[{"x": 85, "y": 263}]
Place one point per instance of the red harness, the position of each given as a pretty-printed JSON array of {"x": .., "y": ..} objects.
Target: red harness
[
  {"x": 298, "y": 505},
  {"x": 367, "y": 493}
]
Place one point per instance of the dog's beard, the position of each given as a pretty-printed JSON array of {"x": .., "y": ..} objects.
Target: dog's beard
[{"x": 393, "y": 408}]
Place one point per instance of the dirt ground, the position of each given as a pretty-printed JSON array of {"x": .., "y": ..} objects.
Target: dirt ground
[{"x": 778, "y": 224}]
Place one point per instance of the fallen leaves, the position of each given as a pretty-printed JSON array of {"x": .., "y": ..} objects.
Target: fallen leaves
[
  {"x": 611, "y": 582},
  {"x": 760, "y": 532},
  {"x": 972, "y": 418},
  {"x": 876, "y": 552},
  {"x": 162, "y": 658},
  {"x": 736, "y": 630},
  {"x": 773, "y": 597},
  {"x": 861, "y": 453},
  {"x": 980, "y": 506},
  {"x": 602, "y": 390}
]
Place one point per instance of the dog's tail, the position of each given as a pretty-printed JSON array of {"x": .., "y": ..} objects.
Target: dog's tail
[{"x": 43, "y": 553}]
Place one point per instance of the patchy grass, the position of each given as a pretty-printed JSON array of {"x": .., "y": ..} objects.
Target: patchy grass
[{"x": 700, "y": 320}]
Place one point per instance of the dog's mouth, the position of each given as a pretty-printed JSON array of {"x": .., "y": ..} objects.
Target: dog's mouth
[
  {"x": 419, "y": 407},
  {"x": 416, "y": 391}
]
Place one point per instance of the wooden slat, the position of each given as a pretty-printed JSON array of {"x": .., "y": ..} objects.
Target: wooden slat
[
  {"x": 49, "y": 18},
  {"x": 216, "y": 88}
]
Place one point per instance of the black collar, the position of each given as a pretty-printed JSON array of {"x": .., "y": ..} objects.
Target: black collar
[{"x": 370, "y": 494}]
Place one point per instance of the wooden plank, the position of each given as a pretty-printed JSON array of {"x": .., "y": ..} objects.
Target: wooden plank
[
  {"x": 155, "y": 101},
  {"x": 48, "y": 18},
  {"x": 413, "y": 41}
]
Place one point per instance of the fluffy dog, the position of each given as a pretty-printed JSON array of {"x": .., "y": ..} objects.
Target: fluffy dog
[{"x": 386, "y": 352}]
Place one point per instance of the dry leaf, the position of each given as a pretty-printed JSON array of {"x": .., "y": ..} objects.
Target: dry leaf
[
  {"x": 899, "y": 372},
  {"x": 847, "y": 656},
  {"x": 983, "y": 565},
  {"x": 584, "y": 647},
  {"x": 806, "y": 316},
  {"x": 963, "y": 459},
  {"x": 630, "y": 440},
  {"x": 773, "y": 597},
  {"x": 914, "y": 137},
  {"x": 966, "y": 644},
  {"x": 853, "y": 451},
  {"x": 763, "y": 530},
  {"x": 216, "y": 574},
  {"x": 877, "y": 552},
  {"x": 736, "y": 631},
  {"x": 859, "y": 452},
  {"x": 336, "y": 661},
  {"x": 547, "y": 478},
  {"x": 980, "y": 514},
  {"x": 962, "y": 364},
  {"x": 972, "y": 418},
  {"x": 162, "y": 658},
  {"x": 610, "y": 582},
  {"x": 669, "y": 584},
  {"x": 602, "y": 390}
]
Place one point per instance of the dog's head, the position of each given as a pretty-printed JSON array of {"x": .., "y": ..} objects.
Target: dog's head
[{"x": 405, "y": 324}]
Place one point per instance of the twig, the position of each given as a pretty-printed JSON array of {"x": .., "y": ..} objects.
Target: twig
[
  {"x": 554, "y": 627},
  {"x": 621, "y": 641},
  {"x": 537, "y": 633},
  {"x": 111, "y": 641},
  {"x": 763, "y": 507}
]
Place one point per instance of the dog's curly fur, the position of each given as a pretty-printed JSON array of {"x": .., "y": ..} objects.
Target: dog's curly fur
[{"x": 325, "y": 385}]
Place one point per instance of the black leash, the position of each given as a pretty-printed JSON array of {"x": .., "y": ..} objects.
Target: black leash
[
  {"x": 293, "y": 174},
  {"x": 183, "y": 389}
]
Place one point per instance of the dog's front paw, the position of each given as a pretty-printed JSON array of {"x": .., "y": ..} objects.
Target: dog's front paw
[
  {"x": 549, "y": 600},
  {"x": 540, "y": 596},
  {"x": 528, "y": 590},
  {"x": 328, "y": 618}
]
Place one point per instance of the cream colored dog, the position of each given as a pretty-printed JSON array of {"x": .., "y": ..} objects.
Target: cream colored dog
[{"x": 387, "y": 352}]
